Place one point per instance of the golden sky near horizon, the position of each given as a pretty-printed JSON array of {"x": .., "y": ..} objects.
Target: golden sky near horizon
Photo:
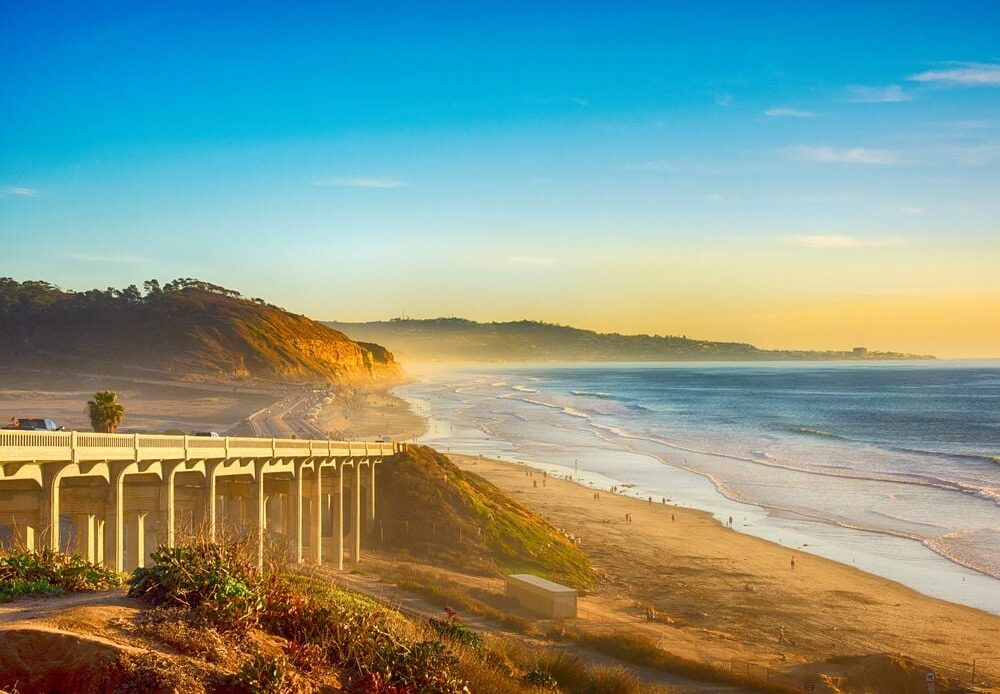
[{"x": 928, "y": 298}]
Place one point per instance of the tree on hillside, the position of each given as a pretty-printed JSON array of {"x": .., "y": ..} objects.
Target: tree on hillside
[{"x": 105, "y": 412}]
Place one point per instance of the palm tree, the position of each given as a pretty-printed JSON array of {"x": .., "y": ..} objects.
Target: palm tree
[{"x": 105, "y": 412}]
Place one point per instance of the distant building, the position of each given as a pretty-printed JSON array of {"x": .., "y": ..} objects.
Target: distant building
[{"x": 860, "y": 352}]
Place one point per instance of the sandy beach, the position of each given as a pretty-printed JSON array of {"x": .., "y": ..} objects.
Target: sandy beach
[
  {"x": 723, "y": 595},
  {"x": 150, "y": 405}
]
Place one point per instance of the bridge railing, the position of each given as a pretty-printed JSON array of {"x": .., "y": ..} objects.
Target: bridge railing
[{"x": 44, "y": 446}]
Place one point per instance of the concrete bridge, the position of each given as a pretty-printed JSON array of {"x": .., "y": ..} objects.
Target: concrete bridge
[{"x": 113, "y": 498}]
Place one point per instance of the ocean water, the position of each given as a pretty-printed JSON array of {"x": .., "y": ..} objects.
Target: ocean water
[{"x": 894, "y": 468}]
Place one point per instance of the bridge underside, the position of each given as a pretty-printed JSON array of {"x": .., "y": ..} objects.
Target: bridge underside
[{"x": 296, "y": 507}]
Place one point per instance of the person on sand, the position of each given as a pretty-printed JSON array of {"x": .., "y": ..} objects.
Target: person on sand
[
  {"x": 536, "y": 483},
  {"x": 793, "y": 563},
  {"x": 671, "y": 518}
]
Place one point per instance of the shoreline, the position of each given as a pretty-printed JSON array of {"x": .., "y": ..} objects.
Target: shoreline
[
  {"x": 726, "y": 594},
  {"x": 896, "y": 556}
]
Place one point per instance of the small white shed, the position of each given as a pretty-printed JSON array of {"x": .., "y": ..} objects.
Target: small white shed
[{"x": 541, "y": 596}]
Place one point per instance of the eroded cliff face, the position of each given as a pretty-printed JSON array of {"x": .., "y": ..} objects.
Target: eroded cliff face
[{"x": 269, "y": 344}]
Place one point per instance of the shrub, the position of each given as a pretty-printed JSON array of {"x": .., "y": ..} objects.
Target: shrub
[
  {"x": 264, "y": 675},
  {"x": 370, "y": 643},
  {"x": 203, "y": 577},
  {"x": 540, "y": 678},
  {"x": 49, "y": 572},
  {"x": 453, "y": 628}
]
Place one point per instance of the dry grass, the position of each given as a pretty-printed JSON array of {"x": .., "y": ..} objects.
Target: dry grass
[
  {"x": 644, "y": 651},
  {"x": 444, "y": 591}
]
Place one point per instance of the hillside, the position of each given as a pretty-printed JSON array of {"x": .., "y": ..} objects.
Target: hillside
[
  {"x": 439, "y": 512},
  {"x": 457, "y": 339},
  {"x": 185, "y": 329}
]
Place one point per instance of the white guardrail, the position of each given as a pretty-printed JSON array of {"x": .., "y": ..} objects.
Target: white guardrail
[{"x": 61, "y": 446}]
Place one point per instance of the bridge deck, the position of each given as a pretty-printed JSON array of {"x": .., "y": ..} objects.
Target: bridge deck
[{"x": 70, "y": 446}]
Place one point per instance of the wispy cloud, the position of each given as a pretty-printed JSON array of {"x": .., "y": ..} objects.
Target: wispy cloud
[
  {"x": 716, "y": 197},
  {"x": 361, "y": 182},
  {"x": 724, "y": 100},
  {"x": 530, "y": 260},
  {"x": 911, "y": 211},
  {"x": 100, "y": 258},
  {"x": 836, "y": 242},
  {"x": 963, "y": 74},
  {"x": 889, "y": 94},
  {"x": 789, "y": 112},
  {"x": 852, "y": 155},
  {"x": 19, "y": 192}
]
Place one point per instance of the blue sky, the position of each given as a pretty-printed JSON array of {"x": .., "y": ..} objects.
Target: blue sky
[{"x": 786, "y": 173}]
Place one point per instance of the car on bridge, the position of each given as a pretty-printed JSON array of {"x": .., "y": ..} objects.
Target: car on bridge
[{"x": 33, "y": 424}]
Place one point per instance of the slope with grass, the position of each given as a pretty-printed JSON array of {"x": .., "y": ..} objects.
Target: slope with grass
[
  {"x": 201, "y": 618},
  {"x": 431, "y": 509},
  {"x": 186, "y": 329}
]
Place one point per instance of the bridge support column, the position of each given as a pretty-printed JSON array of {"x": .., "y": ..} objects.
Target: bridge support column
[
  {"x": 370, "y": 520},
  {"x": 356, "y": 525},
  {"x": 166, "y": 522},
  {"x": 295, "y": 511},
  {"x": 99, "y": 526},
  {"x": 136, "y": 550},
  {"x": 211, "y": 496},
  {"x": 86, "y": 538},
  {"x": 114, "y": 522},
  {"x": 48, "y": 512},
  {"x": 339, "y": 532},
  {"x": 26, "y": 536},
  {"x": 258, "y": 512},
  {"x": 316, "y": 517}
]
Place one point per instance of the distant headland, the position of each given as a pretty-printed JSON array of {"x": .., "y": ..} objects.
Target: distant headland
[{"x": 461, "y": 340}]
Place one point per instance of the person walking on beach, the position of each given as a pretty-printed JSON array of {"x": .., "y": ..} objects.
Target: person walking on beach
[
  {"x": 793, "y": 563},
  {"x": 730, "y": 521},
  {"x": 671, "y": 518}
]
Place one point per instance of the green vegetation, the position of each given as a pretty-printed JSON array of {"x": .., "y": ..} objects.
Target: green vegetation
[
  {"x": 187, "y": 328},
  {"x": 221, "y": 585},
  {"x": 105, "y": 412},
  {"x": 50, "y": 573},
  {"x": 308, "y": 633},
  {"x": 434, "y": 510},
  {"x": 460, "y": 340}
]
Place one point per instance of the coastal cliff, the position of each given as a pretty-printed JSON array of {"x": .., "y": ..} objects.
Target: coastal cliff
[{"x": 186, "y": 330}]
